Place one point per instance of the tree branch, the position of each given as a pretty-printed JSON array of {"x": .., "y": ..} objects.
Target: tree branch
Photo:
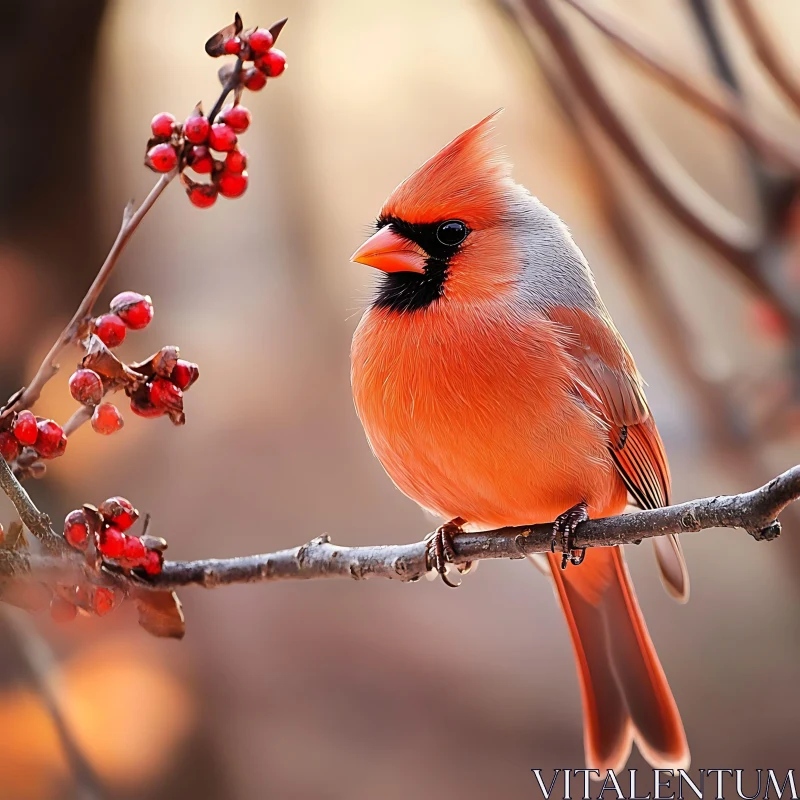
[
  {"x": 756, "y": 512},
  {"x": 726, "y": 111},
  {"x": 765, "y": 50}
]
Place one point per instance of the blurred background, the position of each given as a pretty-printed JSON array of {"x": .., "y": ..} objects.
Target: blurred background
[{"x": 360, "y": 690}]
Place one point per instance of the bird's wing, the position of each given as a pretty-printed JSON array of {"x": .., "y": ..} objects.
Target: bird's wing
[{"x": 607, "y": 380}]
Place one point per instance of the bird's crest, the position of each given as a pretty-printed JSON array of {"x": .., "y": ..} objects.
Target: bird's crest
[{"x": 467, "y": 179}]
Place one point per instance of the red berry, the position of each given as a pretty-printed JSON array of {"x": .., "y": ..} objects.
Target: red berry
[
  {"x": 233, "y": 46},
  {"x": 272, "y": 63},
  {"x": 232, "y": 184},
  {"x": 77, "y": 529},
  {"x": 144, "y": 409},
  {"x": 9, "y": 446},
  {"x": 62, "y": 611},
  {"x": 162, "y": 125},
  {"x": 111, "y": 542},
  {"x": 254, "y": 79},
  {"x": 25, "y": 429},
  {"x": 184, "y": 374},
  {"x": 107, "y": 419},
  {"x": 202, "y": 195},
  {"x": 134, "y": 309},
  {"x": 165, "y": 394},
  {"x": 111, "y": 330},
  {"x": 260, "y": 41},
  {"x": 104, "y": 600},
  {"x": 51, "y": 441},
  {"x": 200, "y": 160},
  {"x": 222, "y": 137},
  {"x": 236, "y": 161},
  {"x": 238, "y": 117},
  {"x": 153, "y": 563},
  {"x": 86, "y": 386},
  {"x": 119, "y": 511},
  {"x": 196, "y": 128},
  {"x": 162, "y": 157},
  {"x": 134, "y": 549}
]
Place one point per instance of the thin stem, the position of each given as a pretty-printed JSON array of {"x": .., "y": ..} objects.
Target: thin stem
[{"x": 49, "y": 367}]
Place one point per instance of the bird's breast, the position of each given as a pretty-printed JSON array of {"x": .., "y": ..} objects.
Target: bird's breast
[{"x": 474, "y": 415}]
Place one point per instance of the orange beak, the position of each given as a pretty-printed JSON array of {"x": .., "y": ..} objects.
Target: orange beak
[{"x": 390, "y": 252}]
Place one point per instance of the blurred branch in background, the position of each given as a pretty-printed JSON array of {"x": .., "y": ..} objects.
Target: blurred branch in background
[
  {"x": 42, "y": 672},
  {"x": 735, "y": 434}
]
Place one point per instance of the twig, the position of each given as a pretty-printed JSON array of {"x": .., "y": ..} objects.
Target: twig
[
  {"x": 765, "y": 51},
  {"x": 726, "y": 111},
  {"x": 37, "y": 522},
  {"x": 43, "y": 673},
  {"x": 49, "y": 367}
]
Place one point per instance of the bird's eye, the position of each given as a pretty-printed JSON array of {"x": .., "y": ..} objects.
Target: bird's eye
[{"x": 452, "y": 232}]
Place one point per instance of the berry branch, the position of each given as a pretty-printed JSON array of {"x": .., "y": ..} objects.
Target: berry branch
[{"x": 97, "y": 560}]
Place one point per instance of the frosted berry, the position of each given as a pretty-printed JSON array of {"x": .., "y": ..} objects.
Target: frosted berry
[
  {"x": 233, "y": 46},
  {"x": 272, "y": 63},
  {"x": 232, "y": 184},
  {"x": 111, "y": 330},
  {"x": 162, "y": 157},
  {"x": 254, "y": 79},
  {"x": 236, "y": 161},
  {"x": 62, "y": 611},
  {"x": 260, "y": 41},
  {"x": 25, "y": 429},
  {"x": 119, "y": 512},
  {"x": 86, "y": 386},
  {"x": 162, "y": 125},
  {"x": 104, "y": 600},
  {"x": 134, "y": 309},
  {"x": 165, "y": 394},
  {"x": 134, "y": 549},
  {"x": 154, "y": 562},
  {"x": 184, "y": 374},
  {"x": 51, "y": 441},
  {"x": 9, "y": 446},
  {"x": 200, "y": 160},
  {"x": 196, "y": 129},
  {"x": 222, "y": 137},
  {"x": 107, "y": 419},
  {"x": 111, "y": 542},
  {"x": 238, "y": 117},
  {"x": 77, "y": 529}
]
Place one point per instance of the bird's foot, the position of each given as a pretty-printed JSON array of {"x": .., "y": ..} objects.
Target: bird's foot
[
  {"x": 441, "y": 552},
  {"x": 563, "y": 532}
]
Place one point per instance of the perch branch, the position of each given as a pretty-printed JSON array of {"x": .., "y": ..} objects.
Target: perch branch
[{"x": 756, "y": 512}]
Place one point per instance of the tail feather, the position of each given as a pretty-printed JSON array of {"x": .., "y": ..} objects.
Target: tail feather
[{"x": 625, "y": 692}]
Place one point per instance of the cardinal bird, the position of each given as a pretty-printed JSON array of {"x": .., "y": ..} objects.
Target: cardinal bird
[{"x": 495, "y": 390}]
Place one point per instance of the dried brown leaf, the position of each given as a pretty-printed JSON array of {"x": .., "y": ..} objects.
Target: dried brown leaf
[
  {"x": 160, "y": 613},
  {"x": 215, "y": 46}
]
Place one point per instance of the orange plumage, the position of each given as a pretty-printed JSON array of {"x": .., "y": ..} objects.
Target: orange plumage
[{"x": 493, "y": 386}]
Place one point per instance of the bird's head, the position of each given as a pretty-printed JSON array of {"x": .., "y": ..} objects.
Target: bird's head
[{"x": 441, "y": 231}]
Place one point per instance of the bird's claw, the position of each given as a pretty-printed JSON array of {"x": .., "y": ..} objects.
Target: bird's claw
[
  {"x": 563, "y": 531},
  {"x": 441, "y": 551}
]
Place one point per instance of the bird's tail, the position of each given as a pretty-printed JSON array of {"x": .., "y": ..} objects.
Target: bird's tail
[{"x": 624, "y": 690}]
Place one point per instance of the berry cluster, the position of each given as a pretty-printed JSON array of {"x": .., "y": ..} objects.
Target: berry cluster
[
  {"x": 45, "y": 437},
  {"x": 102, "y": 533},
  {"x": 106, "y": 527},
  {"x": 155, "y": 387},
  {"x": 192, "y": 143}
]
